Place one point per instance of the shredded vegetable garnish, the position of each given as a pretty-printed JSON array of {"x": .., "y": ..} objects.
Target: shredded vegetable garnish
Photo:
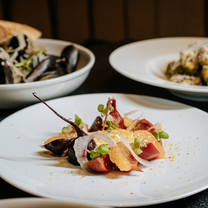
[
  {"x": 140, "y": 160},
  {"x": 159, "y": 127}
]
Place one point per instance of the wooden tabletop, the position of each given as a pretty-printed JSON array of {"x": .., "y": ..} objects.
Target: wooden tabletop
[{"x": 103, "y": 79}]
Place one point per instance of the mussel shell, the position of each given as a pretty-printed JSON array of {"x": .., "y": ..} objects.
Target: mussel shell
[
  {"x": 48, "y": 64},
  {"x": 58, "y": 146},
  {"x": 6, "y": 75},
  {"x": 57, "y": 72},
  {"x": 70, "y": 57}
]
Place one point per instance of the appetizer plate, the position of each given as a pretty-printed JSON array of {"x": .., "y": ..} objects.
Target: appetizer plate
[
  {"x": 25, "y": 164},
  {"x": 146, "y": 61}
]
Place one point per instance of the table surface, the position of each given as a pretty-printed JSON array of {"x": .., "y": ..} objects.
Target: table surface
[{"x": 111, "y": 81}]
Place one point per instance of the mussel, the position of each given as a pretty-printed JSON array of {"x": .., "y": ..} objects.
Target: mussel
[
  {"x": 31, "y": 63},
  {"x": 48, "y": 64},
  {"x": 53, "y": 66},
  {"x": 6, "y": 75},
  {"x": 69, "y": 57}
]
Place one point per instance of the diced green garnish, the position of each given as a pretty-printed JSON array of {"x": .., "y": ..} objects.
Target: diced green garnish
[
  {"x": 138, "y": 143},
  {"x": 138, "y": 151},
  {"x": 67, "y": 129}
]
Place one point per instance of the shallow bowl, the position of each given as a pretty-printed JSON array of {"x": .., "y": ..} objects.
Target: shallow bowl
[{"x": 20, "y": 95}]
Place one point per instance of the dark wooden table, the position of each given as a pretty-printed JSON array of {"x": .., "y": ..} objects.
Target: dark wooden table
[{"x": 103, "y": 78}]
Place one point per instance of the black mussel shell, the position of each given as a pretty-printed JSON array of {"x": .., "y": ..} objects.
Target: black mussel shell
[
  {"x": 97, "y": 124},
  {"x": 52, "y": 74},
  {"x": 58, "y": 146},
  {"x": 48, "y": 64},
  {"x": 70, "y": 57},
  {"x": 6, "y": 75}
]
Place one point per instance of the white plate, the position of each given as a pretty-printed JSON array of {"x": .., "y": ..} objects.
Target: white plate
[
  {"x": 25, "y": 164},
  {"x": 145, "y": 61},
  {"x": 33, "y": 202}
]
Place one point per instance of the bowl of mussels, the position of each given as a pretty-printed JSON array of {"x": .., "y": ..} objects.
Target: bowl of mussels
[{"x": 51, "y": 68}]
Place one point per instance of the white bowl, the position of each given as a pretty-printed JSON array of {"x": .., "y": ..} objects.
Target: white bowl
[{"x": 20, "y": 95}]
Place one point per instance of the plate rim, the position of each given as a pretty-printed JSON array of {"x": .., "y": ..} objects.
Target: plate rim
[
  {"x": 156, "y": 81},
  {"x": 157, "y": 201}
]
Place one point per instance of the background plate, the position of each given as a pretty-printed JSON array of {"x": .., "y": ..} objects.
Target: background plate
[
  {"x": 25, "y": 164},
  {"x": 146, "y": 61}
]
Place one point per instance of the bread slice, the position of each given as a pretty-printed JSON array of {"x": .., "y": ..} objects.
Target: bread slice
[{"x": 8, "y": 28}]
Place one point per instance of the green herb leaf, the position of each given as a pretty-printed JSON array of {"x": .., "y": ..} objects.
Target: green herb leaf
[
  {"x": 78, "y": 121},
  {"x": 103, "y": 149},
  {"x": 161, "y": 135}
]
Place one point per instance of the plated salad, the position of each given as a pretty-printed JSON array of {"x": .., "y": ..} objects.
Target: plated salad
[{"x": 111, "y": 142}]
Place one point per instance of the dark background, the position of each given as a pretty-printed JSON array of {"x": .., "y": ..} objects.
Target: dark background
[
  {"x": 103, "y": 26},
  {"x": 95, "y": 22}
]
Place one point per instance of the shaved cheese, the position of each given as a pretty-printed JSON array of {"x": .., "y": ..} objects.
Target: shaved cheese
[
  {"x": 132, "y": 112},
  {"x": 80, "y": 146},
  {"x": 159, "y": 127},
  {"x": 139, "y": 159}
]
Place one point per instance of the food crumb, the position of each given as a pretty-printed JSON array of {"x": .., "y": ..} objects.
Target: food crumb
[
  {"x": 144, "y": 182},
  {"x": 51, "y": 179}
]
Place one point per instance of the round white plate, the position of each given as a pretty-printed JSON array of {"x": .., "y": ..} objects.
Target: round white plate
[
  {"x": 33, "y": 202},
  {"x": 25, "y": 164},
  {"x": 146, "y": 61}
]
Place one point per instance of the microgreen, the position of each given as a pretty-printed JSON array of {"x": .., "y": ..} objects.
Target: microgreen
[
  {"x": 69, "y": 128},
  {"x": 97, "y": 152},
  {"x": 161, "y": 135}
]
